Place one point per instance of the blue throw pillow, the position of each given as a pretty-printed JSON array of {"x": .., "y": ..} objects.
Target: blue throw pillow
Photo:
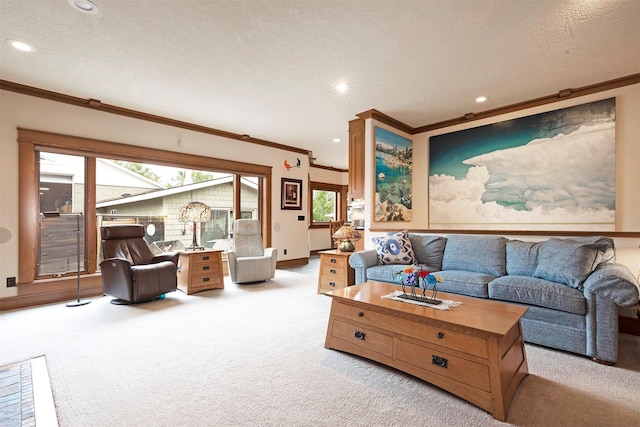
[
  {"x": 394, "y": 249},
  {"x": 480, "y": 254},
  {"x": 428, "y": 250},
  {"x": 567, "y": 261},
  {"x": 522, "y": 257}
]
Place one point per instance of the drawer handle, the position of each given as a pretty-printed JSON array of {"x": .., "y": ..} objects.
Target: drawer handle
[
  {"x": 332, "y": 261},
  {"x": 205, "y": 267},
  {"x": 206, "y": 279},
  {"x": 439, "y": 361},
  {"x": 332, "y": 283},
  {"x": 439, "y": 335},
  {"x": 205, "y": 258},
  {"x": 360, "y": 314},
  {"x": 332, "y": 271},
  {"x": 359, "y": 335}
]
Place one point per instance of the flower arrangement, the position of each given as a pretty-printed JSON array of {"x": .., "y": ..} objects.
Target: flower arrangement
[{"x": 418, "y": 277}]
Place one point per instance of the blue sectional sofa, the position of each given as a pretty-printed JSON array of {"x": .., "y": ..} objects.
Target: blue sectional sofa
[{"x": 572, "y": 287}]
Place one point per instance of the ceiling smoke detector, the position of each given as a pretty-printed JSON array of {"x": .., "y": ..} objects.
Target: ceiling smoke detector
[{"x": 84, "y": 6}]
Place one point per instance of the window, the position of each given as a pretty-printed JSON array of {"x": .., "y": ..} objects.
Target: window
[
  {"x": 61, "y": 192},
  {"x": 324, "y": 205},
  {"x": 328, "y": 203},
  {"x": 83, "y": 184}
]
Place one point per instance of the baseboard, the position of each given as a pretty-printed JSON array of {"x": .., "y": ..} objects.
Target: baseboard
[
  {"x": 629, "y": 325},
  {"x": 317, "y": 251},
  {"x": 298, "y": 262},
  {"x": 26, "y": 301}
]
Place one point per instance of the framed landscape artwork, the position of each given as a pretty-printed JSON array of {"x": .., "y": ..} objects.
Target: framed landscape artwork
[
  {"x": 394, "y": 158},
  {"x": 550, "y": 171},
  {"x": 291, "y": 194}
]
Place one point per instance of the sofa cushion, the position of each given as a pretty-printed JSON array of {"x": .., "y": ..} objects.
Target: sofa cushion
[
  {"x": 428, "y": 250},
  {"x": 465, "y": 283},
  {"x": 384, "y": 273},
  {"x": 481, "y": 254},
  {"x": 394, "y": 249},
  {"x": 522, "y": 257},
  {"x": 540, "y": 292},
  {"x": 567, "y": 261}
]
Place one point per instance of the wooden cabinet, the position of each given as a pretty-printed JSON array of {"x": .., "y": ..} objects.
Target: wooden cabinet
[
  {"x": 335, "y": 271},
  {"x": 200, "y": 270},
  {"x": 356, "y": 159}
]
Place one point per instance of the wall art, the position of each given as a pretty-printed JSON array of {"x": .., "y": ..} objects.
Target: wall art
[
  {"x": 291, "y": 194},
  {"x": 394, "y": 157},
  {"x": 548, "y": 171}
]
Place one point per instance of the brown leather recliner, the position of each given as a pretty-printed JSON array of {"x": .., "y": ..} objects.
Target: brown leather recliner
[{"x": 130, "y": 271}]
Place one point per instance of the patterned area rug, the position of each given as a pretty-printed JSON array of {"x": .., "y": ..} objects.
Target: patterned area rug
[{"x": 23, "y": 385}]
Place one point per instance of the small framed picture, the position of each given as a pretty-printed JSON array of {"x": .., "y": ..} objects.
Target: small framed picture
[{"x": 291, "y": 194}]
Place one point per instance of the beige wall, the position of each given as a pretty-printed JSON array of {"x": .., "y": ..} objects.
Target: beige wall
[{"x": 18, "y": 110}]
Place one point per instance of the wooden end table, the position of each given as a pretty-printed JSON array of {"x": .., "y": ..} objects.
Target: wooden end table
[{"x": 200, "y": 270}]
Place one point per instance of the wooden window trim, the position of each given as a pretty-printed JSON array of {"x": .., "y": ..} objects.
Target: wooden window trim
[
  {"x": 30, "y": 141},
  {"x": 341, "y": 201}
]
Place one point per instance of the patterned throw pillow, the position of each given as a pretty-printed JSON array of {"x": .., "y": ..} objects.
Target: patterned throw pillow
[{"x": 394, "y": 249}]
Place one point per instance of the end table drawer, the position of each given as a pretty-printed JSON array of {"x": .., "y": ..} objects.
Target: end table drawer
[
  {"x": 204, "y": 281},
  {"x": 205, "y": 267},
  {"x": 332, "y": 270},
  {"x": 201, "y": 258},
  {"x": 332, "y": 283},
  {"x": 336, "y": 261}
]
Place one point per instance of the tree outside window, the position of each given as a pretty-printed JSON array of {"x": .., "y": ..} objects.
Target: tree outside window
[{"x": 324, "y": 205}]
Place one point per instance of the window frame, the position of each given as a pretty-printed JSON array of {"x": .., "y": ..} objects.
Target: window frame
[
  {"x": 30, "y": 142},
  {"x": 341, "y": 202}
]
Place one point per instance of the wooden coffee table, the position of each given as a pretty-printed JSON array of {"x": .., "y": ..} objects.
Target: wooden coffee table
[{"x": 474, "y": 351}]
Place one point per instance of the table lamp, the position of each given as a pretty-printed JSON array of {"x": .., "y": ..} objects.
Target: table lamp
[
  {"x": 346, "y": 235},
  {"x": 195, "y": 212}
]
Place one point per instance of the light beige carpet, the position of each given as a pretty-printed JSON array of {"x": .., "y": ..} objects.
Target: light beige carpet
[{"x": 254, "y": 355}]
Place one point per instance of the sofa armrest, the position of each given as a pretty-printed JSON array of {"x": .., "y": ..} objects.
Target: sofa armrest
[
  {"x": 614, "y": 282},
  {"x": 362, "y": 260}
]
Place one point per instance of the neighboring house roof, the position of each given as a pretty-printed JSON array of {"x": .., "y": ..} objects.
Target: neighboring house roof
[
  {"x": 110, "y": 173},
  {"x": 174, "y": 190},
  {"x": 56, "y": 167}
]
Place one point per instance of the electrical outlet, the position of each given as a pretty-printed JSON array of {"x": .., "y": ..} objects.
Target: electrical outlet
[
  {"x": 11, "y": 282},
  {"x": 285, "y": 251}
]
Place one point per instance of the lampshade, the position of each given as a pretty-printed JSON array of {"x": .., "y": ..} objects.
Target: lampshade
[
  {"x": 346, "y": 232},
  {"x": 195, "y": 212},
  {"x": 346, "y": 235}
]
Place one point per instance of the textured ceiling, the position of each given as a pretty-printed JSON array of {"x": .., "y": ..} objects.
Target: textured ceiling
[{"x": 267, "y": 68}]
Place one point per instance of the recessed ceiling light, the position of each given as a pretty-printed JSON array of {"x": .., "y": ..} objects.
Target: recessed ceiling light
[
  {"x": 336, "y": 140},
  {"x": 84, "y": 6},
  {"x": 17, "y": 44},
  {"x": 342, "y": 87},
  {"x": 481, "y": 99}
]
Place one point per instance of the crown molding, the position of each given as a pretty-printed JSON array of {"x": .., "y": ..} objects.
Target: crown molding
[
  {"x": 96, "y": 104},
  {"x": 470, "y": 117}
]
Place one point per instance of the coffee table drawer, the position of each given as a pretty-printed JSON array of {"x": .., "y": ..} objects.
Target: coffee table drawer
[
  {"x": 460, "y": 341},
  {"x": 445, "y": 364},
  {"x": 363, "y": 337}
]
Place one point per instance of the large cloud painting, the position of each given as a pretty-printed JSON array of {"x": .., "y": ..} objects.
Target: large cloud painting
[{"x": 549, "y": 171}]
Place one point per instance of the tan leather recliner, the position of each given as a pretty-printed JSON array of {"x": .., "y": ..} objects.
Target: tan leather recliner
[
  {"x": 130, "y": 271},
  {"x": 248, "y": 260}
]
